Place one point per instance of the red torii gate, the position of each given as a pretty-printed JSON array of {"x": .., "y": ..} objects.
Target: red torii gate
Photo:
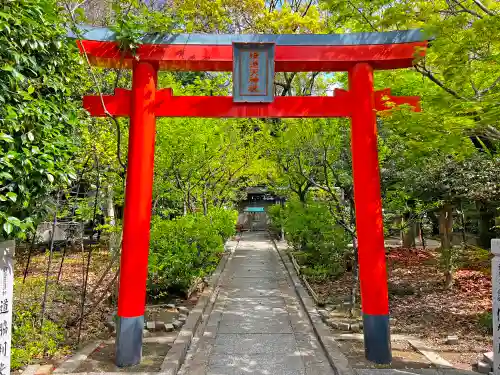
[{"x": 359, "y": 54}]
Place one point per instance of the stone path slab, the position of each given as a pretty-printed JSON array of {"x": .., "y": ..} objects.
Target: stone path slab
[
  {"x": 257, "y": 325},
  {"x": 255, "y": 343}
]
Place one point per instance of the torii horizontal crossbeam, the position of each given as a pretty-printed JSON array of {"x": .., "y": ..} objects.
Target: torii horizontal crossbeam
[{"x": 168, "y": 105}]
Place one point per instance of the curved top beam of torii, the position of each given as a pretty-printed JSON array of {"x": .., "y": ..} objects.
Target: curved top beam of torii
[{"x": 294, "y": 53}]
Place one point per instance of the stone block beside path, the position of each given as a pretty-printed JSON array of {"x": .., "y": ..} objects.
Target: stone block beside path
[
  {"x": 484, "y": 367},
  {"x": 488, "y": 357},
  {"x": 44, "y": 370},
  {"x": 183, "y": 310},
  {"x": 452, "y": 340},
  {"x": 177, "y": 324}
]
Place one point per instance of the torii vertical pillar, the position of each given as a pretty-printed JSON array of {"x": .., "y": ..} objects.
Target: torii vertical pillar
[
  {"x": 137, "y": 216},
  {"x": 369, "y": 224}
]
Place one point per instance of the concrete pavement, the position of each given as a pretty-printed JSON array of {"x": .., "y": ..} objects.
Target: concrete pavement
[{"x": 257, "y": 324}]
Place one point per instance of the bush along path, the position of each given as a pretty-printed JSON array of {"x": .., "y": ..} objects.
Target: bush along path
[{"x": 185, "y": 250}]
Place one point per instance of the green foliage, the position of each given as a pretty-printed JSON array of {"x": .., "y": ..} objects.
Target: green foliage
[
  {"x": 259, "y": 16},
  {"x": 486, "y": 322},
  {"x": 476, "y": 258},
  {"x": 30, "y": 342},
  {"x": 277, "y": 215},
  {"x": 320, "y": 243},
  {"x": 224, "y": 221},
  {"x": 131, "y": 20},
  {"x": 38, "y": 116},
  {"x": 186, "y": 248}
]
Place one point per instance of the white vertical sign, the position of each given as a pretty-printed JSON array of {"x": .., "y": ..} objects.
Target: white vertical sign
[
  {"x": 495, "y": 279},
  {"x": 6, "y": 297}
]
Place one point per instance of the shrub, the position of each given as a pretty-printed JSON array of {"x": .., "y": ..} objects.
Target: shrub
[
  {"x": 276, "y": 215},
  {"x": 224, "y": 221},
  {"x": 29, "y": 342},
  {"x": 186, "y": 248},
  {"x": 475, "y": 258},
  {"x": 320, "y": 244},
  {"x": 486, "y": 322}
]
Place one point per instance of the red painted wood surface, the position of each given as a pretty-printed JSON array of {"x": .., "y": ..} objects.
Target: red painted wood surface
[
  {"x": 138, "y": 192},
  {"x": 368, "y": 204},
  {"x": 288, "y": 58},
  {"x": 384, "y": 100},
  {"x": 167, "y": 105}
]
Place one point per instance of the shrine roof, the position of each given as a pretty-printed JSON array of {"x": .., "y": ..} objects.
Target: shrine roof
[{"x": 368, "y": 38}]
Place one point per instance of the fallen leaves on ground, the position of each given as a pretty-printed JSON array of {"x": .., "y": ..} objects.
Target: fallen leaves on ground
[
  {"x": 428, "y": 311},
  {"x": 64, "y": 297}
]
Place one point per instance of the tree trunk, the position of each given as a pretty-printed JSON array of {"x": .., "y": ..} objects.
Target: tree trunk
[
  {"x": 355, "y": 276},
  {"x": 445, "y": 232},
  {"x": 205, "y": 203},
  {"x": 485, "y": 223},
  {"x": 49, "y": 263},
  {"x": 401, "y": 230},
  {"x": 464, "y": 232},
  {"x": 110, "y": 207},
  {"x": 421, "y": 232},
  {"x": 114, "y": 236},
  {"x": 435, "y": 223},
  {"x": 409, "y": 234},
  {"x": 302, "y": 196},
  {"x": 30, "y": 251},
  {"x": 282, "y": 214}
]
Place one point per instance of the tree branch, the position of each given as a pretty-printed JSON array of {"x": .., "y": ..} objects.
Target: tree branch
[
  {"x": 492, "y": 86},
  {"x": 362, "y": 15},
  {"x": 493, "y": 132},
  {"x": 78, "y": 5},
  {"x": 427, "y": 73},
  {"x": 483, "y": 8},
  {"x": 288, "y": 85},
  {"x": 311, "y": 85},
  {"x": 457, "y": 2},
  {"x": 307, "y": 8}
]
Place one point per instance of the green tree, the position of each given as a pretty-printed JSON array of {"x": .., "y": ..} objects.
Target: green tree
[{"x": 39, "y": 73}]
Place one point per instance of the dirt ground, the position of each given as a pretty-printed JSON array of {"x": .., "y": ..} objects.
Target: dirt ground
[
  {"x": 422, "y": 308},
  {"x": 102, "y": 359},
  {"x": 403, "y": 356}
]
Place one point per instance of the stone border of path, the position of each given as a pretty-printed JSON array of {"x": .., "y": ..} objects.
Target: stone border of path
[
  {"x": 72, "y": 363},
  {"x": 177, "y": 353},
  {"x": 338, "y": 361},
  {"x": 428, "y": 353}
]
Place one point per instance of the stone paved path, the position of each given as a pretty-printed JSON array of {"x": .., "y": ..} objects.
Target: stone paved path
[{"x": 257, "y": 325}]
